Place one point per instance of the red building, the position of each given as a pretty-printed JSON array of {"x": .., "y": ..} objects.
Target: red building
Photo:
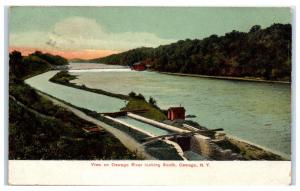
[
  {"x": 176, "y": 113},
  {"x": 138, "y": 66}
]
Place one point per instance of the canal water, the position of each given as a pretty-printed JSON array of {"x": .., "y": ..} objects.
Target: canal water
[
  {"x": 77, "y": 97},
  {"x": 253, "y": 111},
  {"x": 190, "y": 155},
  {"x": 144, "y": 126}
]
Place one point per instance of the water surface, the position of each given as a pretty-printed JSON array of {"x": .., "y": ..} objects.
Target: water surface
[
  {"x": 77, "y": 97},
  {"x": 144, "y": 126},
  {"x": 254, "y": 111}
]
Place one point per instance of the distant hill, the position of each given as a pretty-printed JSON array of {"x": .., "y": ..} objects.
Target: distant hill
[
  {"x": 37, "y": 62},
  {"x": 126, "y": 58},
  {"x": 78, "y": 60},
  {"x": 260, "y": 53}
]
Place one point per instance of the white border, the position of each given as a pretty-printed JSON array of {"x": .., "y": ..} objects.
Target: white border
[
  {"x": 253, "y": 3},
  {"x": 132, "y": 172}
]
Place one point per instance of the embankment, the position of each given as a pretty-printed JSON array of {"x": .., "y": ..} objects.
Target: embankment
[{"x": 226, "y": 78}]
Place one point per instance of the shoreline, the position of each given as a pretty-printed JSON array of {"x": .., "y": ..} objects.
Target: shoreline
[
  {"x": 261, "y": 150},
  {"x": 240, "y": 142},
  {"x": 101, "y": 68},
  {"x": 225, "y": 78}
]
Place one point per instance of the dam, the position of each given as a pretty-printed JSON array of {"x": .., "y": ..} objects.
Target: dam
[{"x": 190, "y": 143}]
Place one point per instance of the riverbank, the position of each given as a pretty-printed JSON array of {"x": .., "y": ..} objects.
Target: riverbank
[
  {"x": 249, "y": 152},
  {"x": 255, "y": 152},
  {"x": 226, "y": 78}
]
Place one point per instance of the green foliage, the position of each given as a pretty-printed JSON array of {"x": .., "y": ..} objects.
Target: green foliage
[
  {"x": 35, "y": 65},
  {"x": 23, "y": 67},
  {"x": 63, "y": 77},
  {"x": 152, "y": 101},
  {"x": 15, "y": 67},
  {"x": 153, "y": 112},
  {"x": 52, "y": 59},
  {"x": 127, "y": 58},
  {"x": 260, "y": 53},
  {"x": 132, "y": 94},
  {"x": 255, "y": 28},
  {"x": 140, "y": 96},
  {"x": 136, "y": 96}
]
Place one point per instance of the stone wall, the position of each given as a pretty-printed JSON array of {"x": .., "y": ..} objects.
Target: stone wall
[
  {"x": 206, "y": 147},
  {"x": 201, "y": 145}
]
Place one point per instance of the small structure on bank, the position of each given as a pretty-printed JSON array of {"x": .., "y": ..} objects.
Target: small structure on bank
[
  {"x": 138, "y": 66},
  {"x": 176, "y": 113}
]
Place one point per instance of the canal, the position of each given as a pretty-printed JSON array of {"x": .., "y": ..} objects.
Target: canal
[{"x": 77, "y": 97}]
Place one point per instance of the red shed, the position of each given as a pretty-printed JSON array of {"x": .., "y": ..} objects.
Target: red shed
[
  {"x": 138, "y": 66},
  {"x": 176, "y": 113}
]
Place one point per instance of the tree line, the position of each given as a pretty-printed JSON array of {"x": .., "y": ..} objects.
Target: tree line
[{"x": 259, "y": 53}]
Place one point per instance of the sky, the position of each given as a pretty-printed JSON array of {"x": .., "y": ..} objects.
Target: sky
[{"x": 90, "y": 32}]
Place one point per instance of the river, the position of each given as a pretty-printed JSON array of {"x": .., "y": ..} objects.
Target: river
[
  {"x": 254, "y": 111},
  {"x": 257, "y": 112}
]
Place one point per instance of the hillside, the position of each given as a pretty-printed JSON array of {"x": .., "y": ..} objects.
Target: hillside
[
  {"x": 21, "y": 67},
  {"x": 78, "y": 60},
  {"x": 41, "y": 130},
  {"x": 260, "y": 53}
]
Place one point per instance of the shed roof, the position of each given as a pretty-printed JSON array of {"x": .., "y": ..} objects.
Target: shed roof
[{"x": 176, "y": 109}]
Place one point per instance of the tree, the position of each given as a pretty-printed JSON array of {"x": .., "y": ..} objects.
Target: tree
[
  {"x": 152, "y": 101},
  {"x": 132, "y": 94},
  {"x": 15, "y": 63},
  {"x": 263, "y": 53},
  {"x": 255, "y": 28}
]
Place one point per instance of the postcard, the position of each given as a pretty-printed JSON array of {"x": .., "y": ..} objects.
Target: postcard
[{"x": 149, "y": 95}]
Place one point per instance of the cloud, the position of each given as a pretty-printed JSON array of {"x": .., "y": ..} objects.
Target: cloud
[{"x": 78, "y": 33}]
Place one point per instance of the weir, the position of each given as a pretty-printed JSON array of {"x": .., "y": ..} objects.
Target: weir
[
  {"x": 156, "y": 123},
  {"x": 189, "y": 139}
]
